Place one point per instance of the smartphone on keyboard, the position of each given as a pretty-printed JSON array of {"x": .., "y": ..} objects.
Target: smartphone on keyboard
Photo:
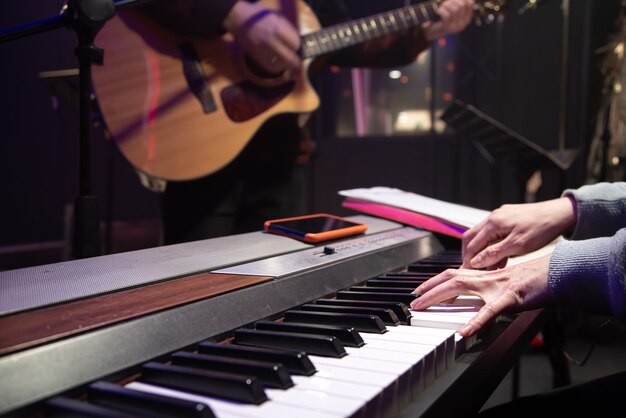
[{"x": 315, "y": 228}]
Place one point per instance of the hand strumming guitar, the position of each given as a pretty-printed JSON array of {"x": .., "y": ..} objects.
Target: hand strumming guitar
[{"x": 266, "y": 36}]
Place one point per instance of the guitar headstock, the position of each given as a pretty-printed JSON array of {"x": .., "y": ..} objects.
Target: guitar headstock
[{"x": 486, "y": 10}]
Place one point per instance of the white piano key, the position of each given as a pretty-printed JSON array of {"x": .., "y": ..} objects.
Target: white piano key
[
  {"x": 421, "y": 358},
  {"x": 440, "y": 319},
  {"x": 458, "y": 343},
  {"x": 417, "y": 331},
  {"x": 315, "y": 400},
  {"x": 223, "y": 408},
  {"x": 433, "y": 356},
  {"x": 449, "y": 336},
  {"x": 396, "y": 343},
  {"x": 405, "y": 375},
  {"x": 336, "y": 372},
  {"x": 452, "y": 315},
  {"x": 362, "y": 390},
  {"x": 386, "y": 383},
  {"x": 353, "y": 361}
]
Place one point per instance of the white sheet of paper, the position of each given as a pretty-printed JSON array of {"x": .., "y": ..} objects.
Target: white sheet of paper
[{"x": 450, "y": 212}]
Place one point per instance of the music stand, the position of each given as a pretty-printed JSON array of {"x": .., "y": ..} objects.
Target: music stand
[
  {"x": 85, "y": 18},
  {"x": 496, "y": 142}
]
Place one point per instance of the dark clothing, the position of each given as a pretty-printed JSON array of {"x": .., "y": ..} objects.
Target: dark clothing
[{"x": 263, "y": 182}]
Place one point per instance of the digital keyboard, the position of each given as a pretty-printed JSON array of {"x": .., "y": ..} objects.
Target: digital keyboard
[{"x": 253, "y": 325}]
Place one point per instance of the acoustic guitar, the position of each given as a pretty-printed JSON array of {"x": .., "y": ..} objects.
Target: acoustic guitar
[{"x": 181, "y": 108}]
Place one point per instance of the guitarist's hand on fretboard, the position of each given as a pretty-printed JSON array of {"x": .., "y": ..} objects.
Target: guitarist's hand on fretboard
[
  {"x": 454, "y": 15},
  {"x": 266, "y": 36}
]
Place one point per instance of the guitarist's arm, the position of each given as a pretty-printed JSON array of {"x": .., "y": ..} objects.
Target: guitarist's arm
[
  {"x": 270, "y": 39},
  {"x": 195, "y": 18}
]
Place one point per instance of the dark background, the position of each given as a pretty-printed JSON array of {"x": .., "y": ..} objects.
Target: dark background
[{"x": 511, "y": 70}]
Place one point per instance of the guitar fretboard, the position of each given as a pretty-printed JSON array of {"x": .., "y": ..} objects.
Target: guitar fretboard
[{"x": 343, "y": 35}]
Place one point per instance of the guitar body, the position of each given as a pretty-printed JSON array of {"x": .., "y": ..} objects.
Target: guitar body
[{"x": 182, "y": 108}]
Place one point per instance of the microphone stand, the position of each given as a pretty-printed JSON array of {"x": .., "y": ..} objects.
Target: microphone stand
[{"x": 86, "y": 18}]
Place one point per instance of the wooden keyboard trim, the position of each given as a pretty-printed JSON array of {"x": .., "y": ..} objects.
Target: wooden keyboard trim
[{"x": 28, "y": 329}]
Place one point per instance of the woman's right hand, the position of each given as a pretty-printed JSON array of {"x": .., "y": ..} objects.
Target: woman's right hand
[{"x": 513, "y": 230}]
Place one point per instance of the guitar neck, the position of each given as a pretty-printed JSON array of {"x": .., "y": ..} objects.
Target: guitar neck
[{"x": 343, "y": 35}]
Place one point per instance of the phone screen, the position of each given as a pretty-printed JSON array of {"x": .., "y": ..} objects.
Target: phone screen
[{"x": 313, "y": 225}]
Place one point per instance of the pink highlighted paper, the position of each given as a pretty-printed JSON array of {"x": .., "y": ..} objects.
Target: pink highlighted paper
[{"x": 404, "y": 216}]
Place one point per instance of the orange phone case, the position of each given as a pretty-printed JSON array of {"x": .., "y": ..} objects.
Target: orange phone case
[{"x": 318, "y": 236}]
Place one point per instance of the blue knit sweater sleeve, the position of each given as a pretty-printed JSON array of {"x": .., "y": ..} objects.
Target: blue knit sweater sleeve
[
  {"x": 601, "y": 209},
  {"x": 588, "y": 271}
]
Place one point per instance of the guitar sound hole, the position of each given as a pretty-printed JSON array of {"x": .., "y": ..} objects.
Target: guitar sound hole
[{"x": 246, "y": 100}]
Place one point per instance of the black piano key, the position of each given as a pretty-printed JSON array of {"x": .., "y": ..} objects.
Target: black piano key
[
  {"x": 297, "y": 362},
  {"x": 400, "y": 309},
  {"x": 409, "y": 284},
  {"x": 456, "y": 252},
  {"x": 321, "y": 345},
  {"x": 438, "y": 258},
  {"x": 406, "y": 276},
  {"x": 386, "y": 315},
  {"x": 451, "y": 258},
  {"x": 445, "y": 263},
  {"x": 347, "y": 335},
  {"x": 380, "y": 289},
  {"x": 60, "y": 407},
  {"x": 234, "y": 387},
  {"x": 362, "y": 323},
  {"x": 140, "y": 403},
  {"x": 269, "y": 374},
  {"x": 406, "y": 298},
  {"x": 429, "y": 268}
]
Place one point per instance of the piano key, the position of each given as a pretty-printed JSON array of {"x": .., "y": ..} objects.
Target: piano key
[
  {"x": 358, "y": 390},
  {"x": 227, "y": 409},
  {"x": 362, "y": 323},
  {"x": 405, "y": 370},
  {"x": 60, "y": 407},
  {"x": 110, "y": 395},
  {"x": 450, "y": 259},
  {"x": 371, "y": 396},
  {"x": 414, "y": 333},
  {"x": 406, "y": 275},
  {"x": 348, "y": 336},
  {"x": 386, "y": 383},
  {"x": 422, "y": 358},
  {"x": 386, "y": 315},
  {"x": 434, "y": 268},
  {"x": 429, "y": 345},
  {"x": 297, "y": 362},
  {"x": 406, "y": 298},
  {"x": 240, "y": 388},
  {"x": 400, "y": 309},
  {"x": 409, "y": 284},
  {"x": 380, "y": 289},
  {"x": 450, "y": 256},
  {"x": 322, "y": 345},
  {"x": 269, "y": 374},
  {"x": 317, "y": 401},
  {"x": 450, "y": 320}
]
